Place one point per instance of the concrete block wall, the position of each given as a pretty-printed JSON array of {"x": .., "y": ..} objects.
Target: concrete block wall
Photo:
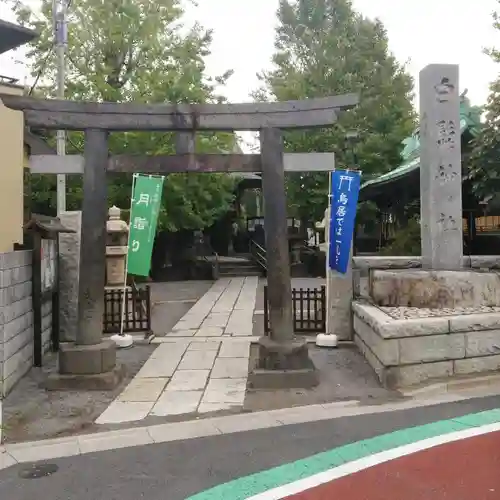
[
  {"x": 16, "y": 318},
  {"x": 413, "y": 351}
]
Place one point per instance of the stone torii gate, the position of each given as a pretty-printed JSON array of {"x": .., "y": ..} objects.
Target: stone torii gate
[{"x": 94, "y": 360}]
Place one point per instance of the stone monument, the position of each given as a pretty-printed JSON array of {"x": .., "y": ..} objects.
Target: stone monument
[{"x": 444, "y": 319}]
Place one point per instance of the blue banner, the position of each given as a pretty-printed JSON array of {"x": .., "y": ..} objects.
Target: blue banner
[{"x": 345, "y": 186}]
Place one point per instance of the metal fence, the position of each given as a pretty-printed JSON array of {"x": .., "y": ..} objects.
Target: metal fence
[
  {"x": 309, "y": 310},
  {"x": 137, "y": 310}
]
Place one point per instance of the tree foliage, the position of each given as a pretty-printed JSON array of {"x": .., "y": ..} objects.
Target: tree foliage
[
  {"x": 324, "y": 47},
  {"x": 134, "y": 50},
  {"x": 484, "y": 162}
]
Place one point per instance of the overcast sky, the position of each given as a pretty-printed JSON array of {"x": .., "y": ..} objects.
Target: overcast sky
[{"x": 420, "y": 32}]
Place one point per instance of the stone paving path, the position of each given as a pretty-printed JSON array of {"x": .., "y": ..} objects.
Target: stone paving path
[{"x": 202, "y": 364}]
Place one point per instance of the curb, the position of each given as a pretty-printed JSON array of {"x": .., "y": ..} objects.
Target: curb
[
  {"x": 34, "y": 451},
  {"x": 464, "y": 384}
]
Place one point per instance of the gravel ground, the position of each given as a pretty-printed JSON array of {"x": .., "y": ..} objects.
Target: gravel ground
[
  {"x": 30, "y": 412},
  {"x": 344, "y": 375},
  {"x": 416, "y": 312}
]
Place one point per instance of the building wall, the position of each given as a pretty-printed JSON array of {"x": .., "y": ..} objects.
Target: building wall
[{"x": 11, "y": 172}]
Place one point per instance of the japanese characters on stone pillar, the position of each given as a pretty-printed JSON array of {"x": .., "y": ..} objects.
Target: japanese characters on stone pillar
[{"x": 440, "y": 168}]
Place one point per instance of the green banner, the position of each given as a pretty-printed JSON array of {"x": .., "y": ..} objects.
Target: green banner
[{"x": 144, "y": 210}]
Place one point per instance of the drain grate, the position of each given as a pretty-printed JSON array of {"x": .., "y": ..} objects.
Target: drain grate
[{"x": 35, "y": 471}]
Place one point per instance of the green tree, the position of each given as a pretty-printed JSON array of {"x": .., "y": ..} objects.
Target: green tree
[
  {"x": 484, "y": 168},
  {"x": 135, "y": 50},
  {"x": 324, "y": 47}
]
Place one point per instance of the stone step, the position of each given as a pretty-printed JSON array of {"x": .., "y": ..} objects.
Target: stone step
[{"x": 240, "y": 272}]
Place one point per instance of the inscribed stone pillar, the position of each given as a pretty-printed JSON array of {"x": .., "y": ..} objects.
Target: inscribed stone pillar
[
  {"x": 440, "y": 168},
  {"x": 69, "y": 266},
  {"x": 339, "y": 293}
]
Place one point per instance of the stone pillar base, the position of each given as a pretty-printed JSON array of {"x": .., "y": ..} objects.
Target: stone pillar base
[
  {"x": 86, "y": 367},
  {"x": 95, "y": 382},
  {"x": 283, "y": 366}
]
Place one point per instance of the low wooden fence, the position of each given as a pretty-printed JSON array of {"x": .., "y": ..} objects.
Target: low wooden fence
[
  {"x": 309, "y": 310},
  {"x": 137, "y": 310}
]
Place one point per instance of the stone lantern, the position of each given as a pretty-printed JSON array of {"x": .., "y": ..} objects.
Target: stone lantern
[{"x": 116, "y": 248}]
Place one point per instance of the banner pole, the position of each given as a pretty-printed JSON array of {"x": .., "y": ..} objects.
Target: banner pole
[
  {"x": 328, "y": 281},
  {"x": 122, "y": 319}
]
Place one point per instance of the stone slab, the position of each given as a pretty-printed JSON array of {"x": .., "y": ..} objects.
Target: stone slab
[
  {"x": 306, "y": 378},
  {"x": 434, "y": 289},
  {"x": 176, "y": 403},
  {"x": 209, "y": 331},
  {"x": 191, "y": 324},
  {"x": 482, "y": 343},
  {"x": 216, "y": 407},
  {"x": 210, "y": 345},
  {"x": 482, "y": 364},
  {"x": 158, "y": 368},
  {"x": 386, "y": 350},
  {"x": 197, "y": 360},
  {"x": 143, "y": 390},
  {"x": 225, "y": 390},
  {"x": 45, "y": 449},
  {"x": 171, "y": 352},
  {"x": 163, "y": 361},
  {"x": 77, "y": 359},
  {"x": 6, "y": 460},
  {"x": 431, "y": 348},
  {"x": 182, "y": 333},
  {"x": 114, "y": 440},
  {"x": 466, "y": 323},
  {"x": 216, "y": 319},
  {"x": 388, "y": 328},
  {"x": 93, "y": 382},
  {"x": 232, "y": 349},
  {"x": 230, "y": 368},
  {"x": 188, "y": 380},
  {"x": 404, "y": 376},
  {"x": 240, "y": 322},
  {"x": 377, "y": 366},
  {"x": 120, "y": 411}
]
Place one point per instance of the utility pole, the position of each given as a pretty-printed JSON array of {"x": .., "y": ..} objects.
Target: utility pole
[{"x": 59, "y": 9}]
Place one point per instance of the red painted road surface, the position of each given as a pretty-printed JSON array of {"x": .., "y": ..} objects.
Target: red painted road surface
[{"x": 461, "y": 470}]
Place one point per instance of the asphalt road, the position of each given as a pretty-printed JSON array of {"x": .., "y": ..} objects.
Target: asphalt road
[{"x": 176, "y": 470}]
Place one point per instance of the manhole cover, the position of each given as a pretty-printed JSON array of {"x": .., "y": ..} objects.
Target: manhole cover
[{"x": 35, "y": 471}]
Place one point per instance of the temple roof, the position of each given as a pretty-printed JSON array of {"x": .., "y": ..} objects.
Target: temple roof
[{"x": 470, "y": 122}]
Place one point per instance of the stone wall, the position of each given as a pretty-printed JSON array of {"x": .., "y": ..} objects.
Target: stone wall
[
  {"x": 16, "y": 318},
  {"x": 363, "y": 265},
  {"x": 406, "y": 352}
]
